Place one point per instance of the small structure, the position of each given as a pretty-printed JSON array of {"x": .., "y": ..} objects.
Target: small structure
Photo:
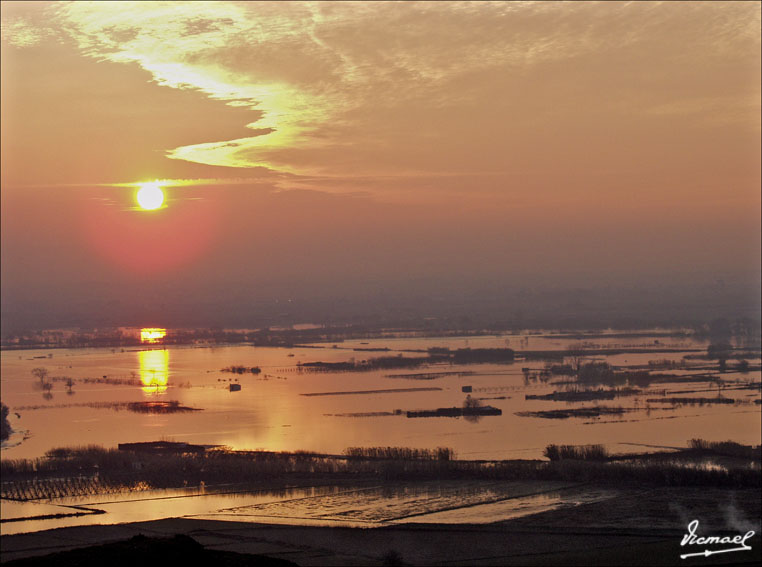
[
  {"x": 161, "y": 447},
  {"x": 466, "y": 389},
  {"x": 235, "y": 387}
]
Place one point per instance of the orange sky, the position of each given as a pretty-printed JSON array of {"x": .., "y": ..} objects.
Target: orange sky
[{"x": 339, "y": 143}]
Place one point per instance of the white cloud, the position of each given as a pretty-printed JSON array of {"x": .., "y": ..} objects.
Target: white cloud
[{"x": 320, "y": 71}]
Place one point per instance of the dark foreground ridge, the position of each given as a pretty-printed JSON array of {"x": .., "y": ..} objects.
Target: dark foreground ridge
[{"x": 145, "y": 551}]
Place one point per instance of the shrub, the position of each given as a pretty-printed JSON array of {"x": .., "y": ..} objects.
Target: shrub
[
  {"x": 5, "y": 427},
  {"x": 576, "y": 452}
]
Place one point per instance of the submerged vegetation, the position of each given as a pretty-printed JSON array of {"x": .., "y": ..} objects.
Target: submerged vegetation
[
  {"x": 428, "y": 375},
  {"x": 603, "y": 373},
  {"x": 434, "y": 355},
  {"x": 584, "y": 395},
  {"x": 693, "y": 401},
  {"x": 238, "y": 369},
  {"x": 594, "y": 411},
  {"x": 456, "y": 412},
  {"x": 131, "y": 381},
  {"x": 364, "y": 392},
  {"x": 170, "y": 406}
]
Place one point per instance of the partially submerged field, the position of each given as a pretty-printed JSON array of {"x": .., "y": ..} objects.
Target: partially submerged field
[{"x": 636, "y": 527}]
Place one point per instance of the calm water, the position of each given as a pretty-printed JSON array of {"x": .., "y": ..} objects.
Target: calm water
[
  {"x": 363, "y": 505},
  {"x": 270, "y": 411}
]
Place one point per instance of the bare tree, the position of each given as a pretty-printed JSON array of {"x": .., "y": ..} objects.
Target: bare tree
[
  {"x": 472, "y": 403},
  {"x": 41, "y": 374},
  {"x": 576, "y": 356}
]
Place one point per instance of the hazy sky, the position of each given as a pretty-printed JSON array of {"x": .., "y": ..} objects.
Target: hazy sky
[{"x": 345, "y": 149}]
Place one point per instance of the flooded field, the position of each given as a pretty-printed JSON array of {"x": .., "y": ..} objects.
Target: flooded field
[
  {"x": 357, "y": 506},
  {"x": 132, "y": 395},
  {"x": 629, "y": 394}
]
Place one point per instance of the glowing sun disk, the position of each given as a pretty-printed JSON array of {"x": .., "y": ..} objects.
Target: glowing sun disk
[
  {"x": 152, "y": 335},
  {"x": 150, "y": 196}
]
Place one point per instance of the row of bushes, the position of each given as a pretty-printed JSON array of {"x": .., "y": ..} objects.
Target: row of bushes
[
  {"x": 700, "y": 446},
  {"x": 726, "y": 449}
]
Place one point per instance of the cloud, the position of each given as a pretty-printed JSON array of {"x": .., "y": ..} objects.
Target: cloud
[
  {"x": 20, "y": 26},
  {"x": 428, "y": 87}
]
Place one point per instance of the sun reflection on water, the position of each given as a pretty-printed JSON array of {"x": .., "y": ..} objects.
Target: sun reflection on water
[
  {"x": 152, "y": 335},
  {"x": 154, "y": 370}
]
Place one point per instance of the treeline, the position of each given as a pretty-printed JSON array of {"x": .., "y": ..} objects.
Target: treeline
[
  {"x": 725, "y": 449},
  {"x": 64, "y": 472},
  {"x": 694, "y": 401},
  {"x": 594, "y": 411},
  {"x": 584, "y": 395},
  {"x": 404, "y": 453},
  {"x": 696, "y": 448},
  {"x": 594, "y": 373},
  {"x": 603, "y": 373}
]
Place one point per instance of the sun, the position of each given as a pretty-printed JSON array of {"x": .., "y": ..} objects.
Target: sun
[{"x": 150, "y": 196}]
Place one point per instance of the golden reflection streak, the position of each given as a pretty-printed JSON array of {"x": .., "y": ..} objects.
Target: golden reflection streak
[{"x": 154, "y": 370}]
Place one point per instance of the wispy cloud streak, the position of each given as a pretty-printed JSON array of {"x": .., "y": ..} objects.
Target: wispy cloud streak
[{"x": 339, "y": 86}]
